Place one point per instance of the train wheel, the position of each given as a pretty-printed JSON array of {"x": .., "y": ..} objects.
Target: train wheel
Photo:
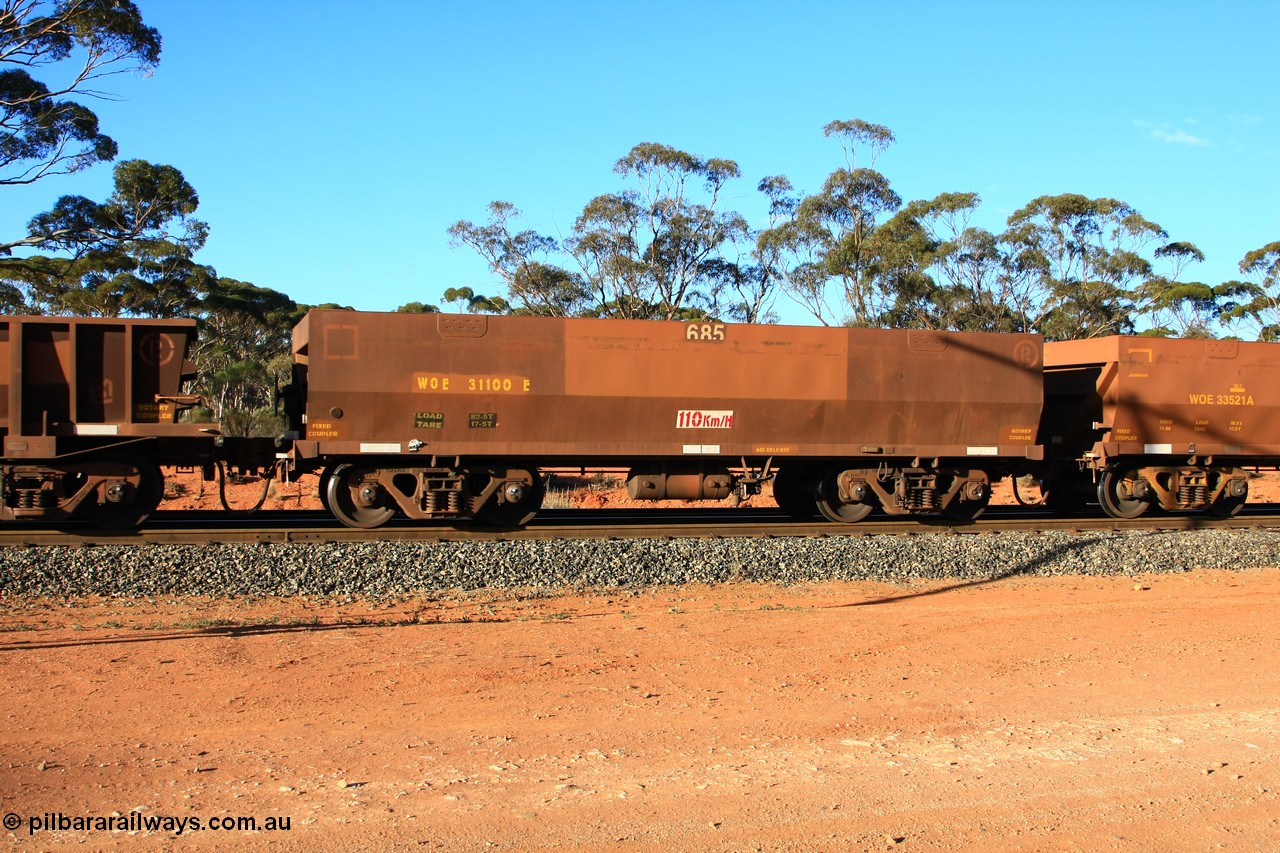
[
  {"x": 129, "y": 499},
  {"x": 323, "y": 489},
  {"x": 520, "y": 501},
  {"x": 355, "y": 499},
  {"x": 793, "y": 492},
  {"x": 833, "y": 508},
  {"x": 1120, "y": 492},
  {"x": 1228, "y": 505}
]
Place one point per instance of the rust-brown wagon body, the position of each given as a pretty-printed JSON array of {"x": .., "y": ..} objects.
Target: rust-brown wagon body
[
  {"x": 89, "y": 411},
  {"x": 1169, "y": 421},
  {"x": 913, "y": 419}
]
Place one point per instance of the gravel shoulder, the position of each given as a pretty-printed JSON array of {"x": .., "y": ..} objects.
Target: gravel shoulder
[{"x": 1135, "y": 711}]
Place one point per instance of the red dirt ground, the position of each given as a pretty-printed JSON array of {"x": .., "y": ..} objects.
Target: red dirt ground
[{"x": 1029, "y": 714}]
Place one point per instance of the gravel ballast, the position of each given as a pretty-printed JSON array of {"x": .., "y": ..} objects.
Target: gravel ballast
[{"x": 399, "y": 568}]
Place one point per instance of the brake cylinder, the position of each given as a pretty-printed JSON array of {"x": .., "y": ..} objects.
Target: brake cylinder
[{"x": 646, "y": 484}]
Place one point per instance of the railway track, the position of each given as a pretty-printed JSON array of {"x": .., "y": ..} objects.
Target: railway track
[{"x": 302, "y": 527}]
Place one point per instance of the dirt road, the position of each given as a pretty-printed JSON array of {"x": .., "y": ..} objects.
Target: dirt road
[{"x": 1025, "y": 714}]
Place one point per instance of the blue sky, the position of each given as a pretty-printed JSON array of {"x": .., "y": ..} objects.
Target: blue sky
[{"x": 333, "y": 143}]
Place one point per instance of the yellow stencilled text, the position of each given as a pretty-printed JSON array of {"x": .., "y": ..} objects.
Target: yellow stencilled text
[
  {"x": 1240, "y": 399},
  {"x": 471, "y": 384},
  {"x": 318, "y": 429},
  {"x": 153, "y": 412}
]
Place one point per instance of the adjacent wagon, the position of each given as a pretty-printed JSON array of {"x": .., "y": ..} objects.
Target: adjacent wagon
[
  {"x": 1136, "y": 421},
  {"x": 89, "y": 411}
]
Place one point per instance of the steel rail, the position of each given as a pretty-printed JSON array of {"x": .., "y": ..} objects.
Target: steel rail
[{"x": 302, "y": 527}]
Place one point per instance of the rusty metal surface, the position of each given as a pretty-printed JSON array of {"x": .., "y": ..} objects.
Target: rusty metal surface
[
  {"x": 556, "y": 390},
  {"x": 90, "y": 378},
  {"x": 1155, "y": 396}
]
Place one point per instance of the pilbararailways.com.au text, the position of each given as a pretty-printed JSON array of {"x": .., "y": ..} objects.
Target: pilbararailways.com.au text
[{"x": 135, "y": 821}]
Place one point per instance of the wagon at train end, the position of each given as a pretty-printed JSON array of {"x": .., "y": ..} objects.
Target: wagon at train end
[
  {"x": 1136, "y": 422},
  {"x": 89, "y": 413}
]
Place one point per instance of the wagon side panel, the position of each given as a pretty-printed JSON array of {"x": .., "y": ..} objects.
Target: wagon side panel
[{"x": 593, "y": 389}]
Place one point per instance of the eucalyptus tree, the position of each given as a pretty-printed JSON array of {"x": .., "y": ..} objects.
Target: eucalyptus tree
[
  {"x": 1083, "y": 258},
  {"x": 656, "y": 250},
  {"x": 143, "y": 278},
  {"x": 418, "y": 308},
  {"x": 1177, "y": 308},
  {"x": 661, "y": 248},
  {"x": 534, "y": 286},
  {"x": 244, "y": 351},
  {"x": 48, "y": 130},
  {"x": 899, "y": 253},
  {"x": 741, "y": 291},
  {"x": 477, "y": 303},
  {"x": 827, "y": 242},
  {"x": 131, "y": 255},
  {"x": 765, "y": 277},
  {"x": 1254, "y": 308},
  {"x": 974, "y": 287}
]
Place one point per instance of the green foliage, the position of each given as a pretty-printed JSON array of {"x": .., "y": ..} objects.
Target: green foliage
[
  {"x": 418, "y": 308},
  {"x": 132, "y": 255},
  {"x": 654, "y": 250},
  {"x": 259, "y": 422},
  {"x": 533, "y": 286},
  {"x": 146, "y": 198},
  {"x": 1081, "y": 256},
  {"x": 855, "y": 133},
  {"x": 129, "y": 255},
  {"x": 44, "y": 131},
  {"x": 244, "y": 345},
  {"x": 973, "y": 288},
  {"x": 1252, "y": 305},
  {"x": 323, "y": 306},
  {"x": 826, "y": 243},
  {"x": 852, "y": 253},
  {"x": 475, "y": 303}
]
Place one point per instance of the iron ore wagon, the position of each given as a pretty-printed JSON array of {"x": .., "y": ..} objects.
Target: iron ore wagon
[
  {"x": 449, "y": 416},
  {"x": 89, "y": 413},
  {"x": 1134, "y": 422}
]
